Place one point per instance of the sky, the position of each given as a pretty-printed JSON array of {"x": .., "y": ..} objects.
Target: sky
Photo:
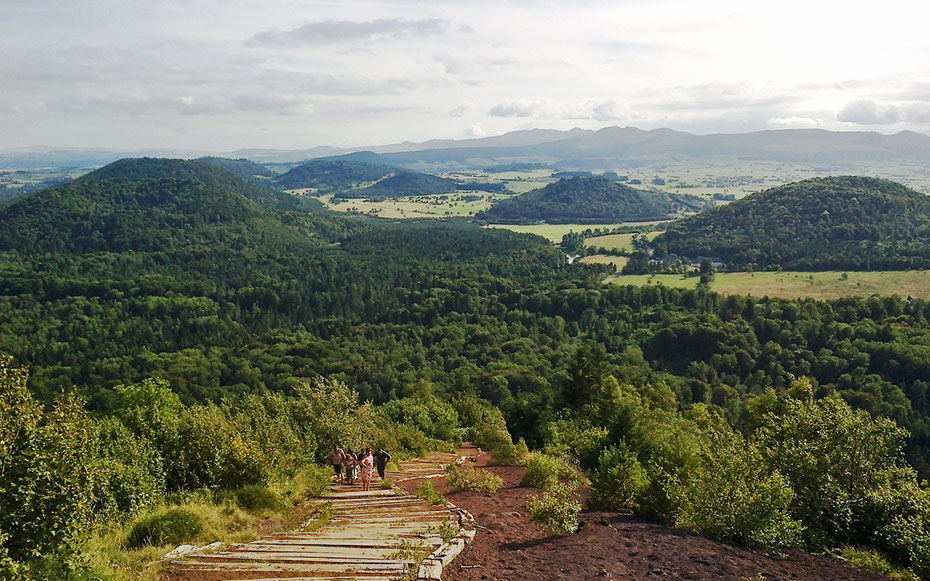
[{"x": 220, "y": 75}]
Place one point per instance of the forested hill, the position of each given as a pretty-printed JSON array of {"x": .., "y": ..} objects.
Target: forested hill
[
  {"x": 850, "y": 223},
  {"x": 348, "y": 178},
  {"x": 146, "y": 215},
  {"x": 212, "y": 172},
  {"x": 585, "y": 200}
]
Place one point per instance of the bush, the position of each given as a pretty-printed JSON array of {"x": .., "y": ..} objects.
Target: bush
[
  {"x": 544, "y": 471},
  {"x": 732, "y": 495},
  {"x": 619, "y": 481},
  {"x": 173, "y": 526},
  {"x": 45, "y": 491},
  {"x": 556, "y": 511},
  {"x": 258, "y": 498},
  {"x": 387, "y": 484},
  {"x": 127, "y": 473},
  {"x": 466, "y": 477},
  {"x": 427, "y": 491}
]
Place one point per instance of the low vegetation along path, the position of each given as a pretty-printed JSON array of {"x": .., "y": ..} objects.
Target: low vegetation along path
[{"x": 361, "y": 542}]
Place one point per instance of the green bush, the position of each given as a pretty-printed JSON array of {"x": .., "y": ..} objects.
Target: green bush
[
  {"x": 544, "y": 471},
  {"x": 556, "y": 511},
  {"x": 732, "y": 495},
  {"x": 127, "y": 473},
  {"x": 258, "y": 498},
  {"x": 387, "y": 484},
  {"x": 619, "y": 481},
  {"x": 467, "y": 477},
  {"x": 172, "y": 526},
  {"x": 427, "y": 491},
  {"x": 45, "y": 490}
]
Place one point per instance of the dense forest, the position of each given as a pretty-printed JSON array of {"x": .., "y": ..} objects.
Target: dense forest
[
  {"x": 348, "y": 177},
  {"x": 587, "y": 200},
  {"x": 236, "y": 302},
  {"x": 836, "y": 223}
]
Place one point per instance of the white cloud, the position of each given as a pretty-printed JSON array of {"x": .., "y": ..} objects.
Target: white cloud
[
  {"x": 518, "y": 108},
  {"x": 795, "y": 122},
  {"x": 459, "y": 110},
  {"x": 340, "y": 31},
  {"x": 868, "y": 112},
  {"x": 475, "y": 131}
]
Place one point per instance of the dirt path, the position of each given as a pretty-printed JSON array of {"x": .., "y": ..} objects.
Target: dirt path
[{"x": 359, "y": 543}]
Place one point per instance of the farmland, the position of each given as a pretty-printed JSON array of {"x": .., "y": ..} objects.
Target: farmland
[{"x": 814, "y": 285}]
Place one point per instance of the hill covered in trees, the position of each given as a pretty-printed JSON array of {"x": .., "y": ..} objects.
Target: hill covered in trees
[
  {"x": 357, "y": 177},
  {"x": 854, "y": 223},
  {"x": 587, "y": 200}
]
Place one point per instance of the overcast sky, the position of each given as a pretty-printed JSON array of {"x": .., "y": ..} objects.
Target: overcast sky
[{"x": 227, "y": 74}]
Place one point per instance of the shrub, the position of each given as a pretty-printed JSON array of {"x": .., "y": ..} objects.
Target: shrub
[
  {"x": 732, "y": 494},
  {"x": 544, "y": 471},
  {"x": 387, "y": 484},
  {"x": 466, "y": 477},
  {"x": 427, "y": 491},
  {"x": 45, "y": 490},
  {"x": 556, "y": 511},
  {"x": 257, "y": 497},
  {"x": 620, "y": 479},
  {"x": 127, "y": 473},
  {"x": 510, "y": 454},
  {"x": 871, "y": 560},
  {"x": 168, "y": 527}
]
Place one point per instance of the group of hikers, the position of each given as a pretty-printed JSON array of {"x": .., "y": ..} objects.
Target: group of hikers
[{"x": 348, "y": 465}]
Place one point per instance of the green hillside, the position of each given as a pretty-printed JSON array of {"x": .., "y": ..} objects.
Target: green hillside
[
  {"x": 143, "y": 216},
  {"x": 210, "y": 172},
  {"x": 585, "y": 200},
  {"x": 854, "y": 223},
  {"x": 241, "y": 167},
  {"x": 402, "y": 183},
  {"x": 348, "y": 178}
]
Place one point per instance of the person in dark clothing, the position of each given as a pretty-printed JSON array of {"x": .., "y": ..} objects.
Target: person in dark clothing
[{"x": 381, "y": 460}]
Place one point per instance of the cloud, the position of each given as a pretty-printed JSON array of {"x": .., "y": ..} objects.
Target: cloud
[
  {"x": 794, "y": 122},
  {"x": 475, "y": 131},
  {"x": 345, "y": 31},
  {"x": 598, "y": 110},
  {"x": 868, "y": 112},
  {"x": 460, "y": 110},
  {"x": 517, "y": 108}
]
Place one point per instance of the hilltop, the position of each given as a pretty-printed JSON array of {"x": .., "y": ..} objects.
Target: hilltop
[
  {"x": 363, "y": 175},
  {"x": 854, "y": 223},
  {"x": 587, "y": 200},
  {"x": 143, "y": 215},
  {"x": 231, "y": 175}
]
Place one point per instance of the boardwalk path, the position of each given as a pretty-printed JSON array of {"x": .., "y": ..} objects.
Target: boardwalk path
[{"x": 357, "y": 544}]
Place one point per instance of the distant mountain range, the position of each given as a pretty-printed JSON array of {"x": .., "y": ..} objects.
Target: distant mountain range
[{"x": 575, "y": 149}]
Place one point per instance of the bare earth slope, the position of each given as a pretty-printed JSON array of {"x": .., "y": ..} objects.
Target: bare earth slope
[{"x": 609, "y": 546}]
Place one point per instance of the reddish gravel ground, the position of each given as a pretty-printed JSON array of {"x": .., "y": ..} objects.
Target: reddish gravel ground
[{"x": 609, "y": 546}]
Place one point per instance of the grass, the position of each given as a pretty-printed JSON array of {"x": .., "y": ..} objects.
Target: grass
[
  {"x": 107, "y": 554},
  {"x": 618, "y": 261},
  {"x": 436, "y": 206},
  {"x": 617, "y": 241},
  {"x": 554, "y": 232},
  {"x": 791, "y": 285}
]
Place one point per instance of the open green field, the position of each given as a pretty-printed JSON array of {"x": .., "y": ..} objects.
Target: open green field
[
  {"x": 617, "y": 241},
  {"x": 618, "y": 261},
  {"x": 435, "y": 206},
  {"x": 555, "y": 232},
  {"x": 790, "y": 285}
]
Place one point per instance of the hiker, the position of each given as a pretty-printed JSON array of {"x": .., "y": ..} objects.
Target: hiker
[
  {"x": 351, "y": 463},
  {"x": 368, "y": 466},
  {"x": 381, "y": 460},
  {"x": 338, "y": 457}
]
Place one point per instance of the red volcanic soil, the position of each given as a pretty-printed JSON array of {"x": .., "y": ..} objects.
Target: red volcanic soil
[{"x": 609, "y": 546}]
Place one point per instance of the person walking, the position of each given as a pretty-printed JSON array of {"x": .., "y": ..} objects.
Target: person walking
[
  {"x": 337, "y": 458},
  {"x": 381, "y": 460},
  {"x": 368, "y": 466},
  {"x": 351, "y": 465}
]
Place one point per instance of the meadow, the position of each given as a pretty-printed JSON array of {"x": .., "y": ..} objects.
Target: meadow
[
  {"x": 618, "y": 241},
  {"x": 435, "y": 206},
  {"x": 791, "y": 285}
]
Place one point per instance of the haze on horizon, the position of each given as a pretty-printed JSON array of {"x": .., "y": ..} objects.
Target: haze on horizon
[{"x": 223, "y": 75}]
